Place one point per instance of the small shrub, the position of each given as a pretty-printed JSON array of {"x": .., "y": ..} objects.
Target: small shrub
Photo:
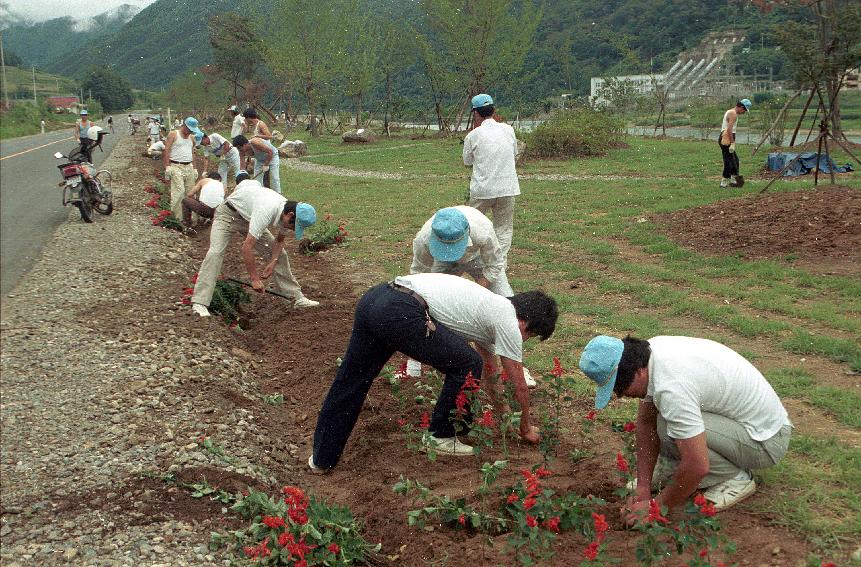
[{"x": 579, "y": 133}]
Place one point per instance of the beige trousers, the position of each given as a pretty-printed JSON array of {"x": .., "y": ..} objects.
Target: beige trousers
[
  {"x": 731, "y": 449},
  {"x": 503, "y": 218},
  {"x": 225, "y": 222},
  {"x": 182, "y": 180}
]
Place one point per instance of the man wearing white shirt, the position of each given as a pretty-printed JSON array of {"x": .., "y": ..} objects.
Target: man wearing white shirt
[
  {"x": 215, "y": 144},
  {"x": 253, "y": 209},
  {"x": 154, "y": 130},
  {"x": 432, "y": 318},
  {"x": 704, "y": 408},
  {"x": 207, "y": 194},
  {"x": 490, "y": 148},
  {"x": 238, "y": 125}
]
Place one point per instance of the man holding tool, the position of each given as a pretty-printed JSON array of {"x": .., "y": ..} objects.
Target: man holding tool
[
  {"x": 730, "y": 176},
  {"x": 252, "y": 208}
]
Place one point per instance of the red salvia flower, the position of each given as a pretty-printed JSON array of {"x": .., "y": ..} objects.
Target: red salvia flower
[
  {"x": 273, "y": 521},
  {"x": 299, "y": 549},
  {"x": 699, "y": 499},
  {"x": 462, "y": 520},
  {"x": 629, "y": 427},
  {"x": 655, "y": 513},
  {"x": 513, "y": 497},
  {"x": 528, "y": 503},
  {"x": 591, "y": 551},
  {"x": 402, "y": 421},
  {"x": 334, "y": 548},
  {"x": 542, "y": 472},
  {"x": 704, "y": 553},
  {"x": 591, "y": 415},
  {"x": 425, "y": 422},
  {"x": 558, "y": 371},
  {"x": 708, "y": 509},
  {"x": 460, "y": 403},
  {"x": 601, "y": 525},
  {"x": 194, "y": 278},
  {"x": 470, "y": 384},
  {"x": 298, "y": 516},
  {"x": 531, "y": 521},
  {"x": 552, "y": 524},
  {"x": 285, "y": 539},
  {"x": 487, "y": 419},
  {"x": 621, "y": 463}
]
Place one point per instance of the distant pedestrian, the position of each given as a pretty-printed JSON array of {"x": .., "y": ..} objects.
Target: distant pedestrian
[
  {"x": 82, "y": 126},
  {"x": 490, "y": 148},
  {"x": 178, "y": 158},
  {"x": 154, "y": 130},
  {"x": 238, "y": 125},
  {"x": 730, "y": 176},
  {"x": 111, "y": 124},
  {"x": 42, "y": 125}
]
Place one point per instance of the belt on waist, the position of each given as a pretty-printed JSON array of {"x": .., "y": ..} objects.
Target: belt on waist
[
  {"x": 431, "y": 326},
  {"x": 231, "y": 207},
  {"x": 181, "y": 162}
]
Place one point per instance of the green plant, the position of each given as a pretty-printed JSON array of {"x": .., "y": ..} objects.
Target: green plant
[
  {"x": 227, "y": 298},
  {"x": 578, "y": 133},
  {"x": 203, "y": 488},
  {"x": 274, "y": 399},
  {"x": 296, "y": 530},
  {"x": 322, "y": 235}
]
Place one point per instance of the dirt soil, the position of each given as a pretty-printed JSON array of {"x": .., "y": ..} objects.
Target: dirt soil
[{"x": 819, "y": 228}]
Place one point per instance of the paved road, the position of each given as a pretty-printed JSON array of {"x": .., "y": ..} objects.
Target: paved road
[{"x": 31, "y": 204}]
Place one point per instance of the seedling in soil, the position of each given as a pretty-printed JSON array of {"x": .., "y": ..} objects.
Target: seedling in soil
[
  {"x": 273, "y": 399},
  {"x": 203, "y": 488}
]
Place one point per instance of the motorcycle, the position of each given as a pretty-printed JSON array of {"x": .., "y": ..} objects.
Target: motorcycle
[{"x": 83, "y": 185}]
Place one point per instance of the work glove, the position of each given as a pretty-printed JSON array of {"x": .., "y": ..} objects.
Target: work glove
[
  {"x": 262, "y": 170},
  {"x": 167, "y": 173},
  {"x": 732, "y": 148}
]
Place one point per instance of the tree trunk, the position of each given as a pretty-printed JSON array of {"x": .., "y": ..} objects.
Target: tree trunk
[
  {"x": 388, "y": 104},
  {"x": 359, "y": 111}
]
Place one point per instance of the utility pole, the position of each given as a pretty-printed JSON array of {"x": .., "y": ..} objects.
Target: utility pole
[
  {"x": 34, "y": 85},
  {"x": 3, "y": 65}
]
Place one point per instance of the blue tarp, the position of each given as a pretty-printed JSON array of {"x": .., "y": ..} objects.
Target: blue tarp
[{"x": 805, "y": 164}]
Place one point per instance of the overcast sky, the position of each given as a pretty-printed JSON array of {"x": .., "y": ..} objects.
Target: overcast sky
[{"x": 38, "y": 10}]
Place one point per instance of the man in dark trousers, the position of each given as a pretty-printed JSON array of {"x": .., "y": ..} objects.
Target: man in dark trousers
[
  {"x": 730, "y": 176},
  {"x": 432, "y": 318}
]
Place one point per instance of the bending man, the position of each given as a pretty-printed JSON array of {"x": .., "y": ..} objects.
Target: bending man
[{"x": 432, "y": 318}]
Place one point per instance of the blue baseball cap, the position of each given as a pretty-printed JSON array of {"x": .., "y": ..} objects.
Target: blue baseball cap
[
  {"x": 480, "y": 100},
  {"x": 746, "y": 103},
  {"x": 191, "y": 124},
  {"x": 305, "y": 217},
  {"x": 198, "y": 137},
  {"x": 449, "y": 235},
  {"x": 600, "y": 362}
]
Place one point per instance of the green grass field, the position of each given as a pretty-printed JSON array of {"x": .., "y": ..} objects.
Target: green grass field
[{"x": 582, "y": 238}]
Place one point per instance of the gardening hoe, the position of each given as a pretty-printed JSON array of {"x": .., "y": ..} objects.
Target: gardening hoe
[{"x": 248, "y": 284}]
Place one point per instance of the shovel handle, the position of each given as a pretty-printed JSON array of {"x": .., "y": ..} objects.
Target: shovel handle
[{"x": 248, "y": 284}]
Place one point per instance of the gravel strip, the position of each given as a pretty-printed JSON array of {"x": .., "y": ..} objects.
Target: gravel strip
[{"x": 107, "y": 382}]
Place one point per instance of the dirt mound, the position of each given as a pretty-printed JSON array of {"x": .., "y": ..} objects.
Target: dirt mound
[{"x": 817, "y": 226}]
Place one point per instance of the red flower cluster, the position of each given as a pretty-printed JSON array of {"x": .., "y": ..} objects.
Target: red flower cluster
[
  {"x": 152, "y": 203},
  {"x": 591, "y": 415},
  {"x": 273, "y": 522},
  {"x": 462, "y": 520},
  {"x": 706, "y": 508},
  {"x": 297, "y": 504},
  {"x": 601, "y": 527},
  {"x": 591, "y": 551},
  {"x": 260, "y": 550},
  {"x": 342, "y": 234},
  {"x": 557, "y": 371},
  {"x": 621, "y": 463},
  {"x": 150, "y": 189},
  {"x": 334, "y": 548},
  {"x": 655, "y": 513},
  {"x": 629, "y": 427},
  {"x": 513, "y": 498},
  {"x": 425, "y": 422},
  {"x": 552, "y": 524},
  {"x": 162, "y": 214},
  {"x": 531, "y": 521},
  {"x": 487, "y": 419},
  {"x": 460, "y": 403},
  {"x": 533, "y": 491}
]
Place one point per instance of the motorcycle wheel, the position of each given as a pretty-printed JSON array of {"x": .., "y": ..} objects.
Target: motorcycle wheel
[
  {"x": 104, "y": 205},
  {"x": 84, "y": 205}
]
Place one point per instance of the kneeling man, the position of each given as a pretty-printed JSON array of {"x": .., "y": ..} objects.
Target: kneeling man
[
  {"x": 704, "y": 408},
  {"x": 431, "y": 318}
]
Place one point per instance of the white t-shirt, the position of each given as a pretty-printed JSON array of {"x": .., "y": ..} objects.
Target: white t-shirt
[
  {"x": 688, "y": 376},
  {"x": 238, "y": 126},
  {"x": 260, "y": 206},
  {"x": 157, "y": 147},
  {"x": 482, "y": 244},
  {"x": 471, "y": 311},
  {"x": 490, "y": 149},
  {"x": 154, "y": 128},
  {"x": 215, "y": 143},
  {"x": 212, "y": 193}
]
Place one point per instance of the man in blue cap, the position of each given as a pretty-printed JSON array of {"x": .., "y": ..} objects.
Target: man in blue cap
[
  {"x": 178, "y": 161},
  {"x": 253, "y": 209},
  {"x": 490, "y": 148},
  {"x": 730, "y": 176},
  {"x": 704, "y": 408},
  {"x": 433, "y": 318}
]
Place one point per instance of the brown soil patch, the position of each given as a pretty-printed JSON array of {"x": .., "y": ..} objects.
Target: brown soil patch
[{"x": 822, "y": 227}]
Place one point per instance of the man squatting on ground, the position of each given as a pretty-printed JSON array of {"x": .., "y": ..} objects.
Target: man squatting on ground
[
  {"x": 228, "y": 156},
  {"x": 178, "y": 161},
  {"x": 704, "y": 408},
  {"x": 490, "y": 148},
  {"x": 266, "y": 160},
  {"x": 726, "y": 141},
  {"x": 431, "y": 318},
  {"x": 458, "y": 240},
  {"x": 207, "y": 194},
  {"x": 252, "y": 208}
]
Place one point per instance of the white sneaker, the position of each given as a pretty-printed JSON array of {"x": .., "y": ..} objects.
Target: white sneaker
[
  {"x": 729, "y": 493},
  {"x": 314, "y": 469},
  {"x": 724, "y": 182},
  {"x": 305, "y": 302},
  {"x": 527, "y": 377},
  {"x": 451, "y": 446},
  {"x": 200, "y": 309}
]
